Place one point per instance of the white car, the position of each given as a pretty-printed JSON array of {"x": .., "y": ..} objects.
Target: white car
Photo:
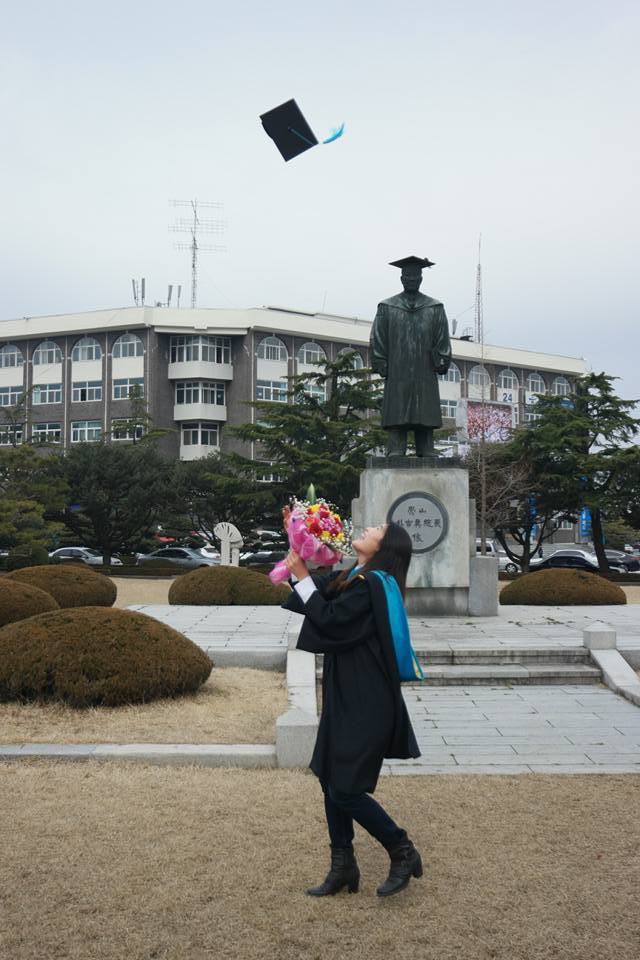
[{"x": 81, "y": 555}]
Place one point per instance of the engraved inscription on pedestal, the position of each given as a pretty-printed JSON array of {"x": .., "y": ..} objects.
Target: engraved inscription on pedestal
[{"x": 423, "y": 517}]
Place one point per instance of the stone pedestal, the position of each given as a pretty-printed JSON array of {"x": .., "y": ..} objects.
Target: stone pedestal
[{"x": 429, "y": 497}]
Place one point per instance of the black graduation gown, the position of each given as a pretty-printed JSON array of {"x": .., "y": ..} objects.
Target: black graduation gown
[{"x": 364, "y": 718}]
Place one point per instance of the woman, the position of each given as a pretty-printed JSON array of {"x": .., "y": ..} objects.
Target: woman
[{"x": 364, "y": 718}]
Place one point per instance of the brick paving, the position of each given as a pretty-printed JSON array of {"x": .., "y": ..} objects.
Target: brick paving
[{"x": 528, "y": 729}]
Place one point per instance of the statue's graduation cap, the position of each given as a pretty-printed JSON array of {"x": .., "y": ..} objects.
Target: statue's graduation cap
[
  {"x": 419, "y": 262},
  {"x": 290, "y": 131}
]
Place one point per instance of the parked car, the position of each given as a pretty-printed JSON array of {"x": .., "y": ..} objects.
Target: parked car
[
  {"x": 252, "y": 558},
  {"x": 506, "y": 564},
  {"x": 184, "y": 557},
  {"x": 491, "y": 548},
  {"x": 210, "y": 552},
  {"x": 575, "y": 559},
  {"x": 619, "y": 558},
  {"x": 81, "y": 555}
]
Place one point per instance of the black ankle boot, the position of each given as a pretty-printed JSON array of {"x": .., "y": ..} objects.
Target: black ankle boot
[
  {"x": 344, "y": 872},
  {"x": 405, "y": 863}
]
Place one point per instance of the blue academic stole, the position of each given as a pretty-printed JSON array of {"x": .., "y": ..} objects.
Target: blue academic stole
[{"x": 408, "y": 665}]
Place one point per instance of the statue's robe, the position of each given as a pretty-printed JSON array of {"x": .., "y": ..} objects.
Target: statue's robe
[{"x": 410, "y": 346}]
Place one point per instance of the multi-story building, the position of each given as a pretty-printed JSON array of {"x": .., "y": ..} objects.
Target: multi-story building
[{"x": 198, "y": 371}]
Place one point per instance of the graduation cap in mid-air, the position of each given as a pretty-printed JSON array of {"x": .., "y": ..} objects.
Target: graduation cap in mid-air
[
  {"x": 290, "y": 131},
  {"x": 412, "y": 263}
]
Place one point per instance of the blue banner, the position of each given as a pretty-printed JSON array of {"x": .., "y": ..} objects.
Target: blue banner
[{"x": 585, "y": 523}]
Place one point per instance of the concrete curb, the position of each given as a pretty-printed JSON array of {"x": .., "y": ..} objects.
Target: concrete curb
[
  {"x": 268, "y": 659},
  {"x": 618, "y": 675},
  {"x": 296, "y": 729},
  {"x": 601, "y": 641},
  {"x": 159, "y": 754}
]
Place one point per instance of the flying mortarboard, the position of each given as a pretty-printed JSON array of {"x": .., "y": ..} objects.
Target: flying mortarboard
[
  {"x": 419, "y": 262},
  {"x": 290, "y": 131}
]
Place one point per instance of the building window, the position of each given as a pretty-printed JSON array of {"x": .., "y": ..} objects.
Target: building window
[
  {"x": 530, "y": 417},
  {"x": 316, "y": 391},
  {"x": 128, "y": 345},
  {"x": 356, "y": 360},
  {"x": 185, "y": 349},
  {"x": 274, "y": 390},
  {"x": 201, "y": 392},
  {"x": 448, "y": 408},
  {"x": 268, "y": 476},
  {"x": 126, "y": 430},
  {"x": 11, "y": 434},
  {"x": 561, "y": 387},
  {"x": 47, "y": 433},
  {"x": 507, "y": 380},
  {"x": 311, "y": 353},
  {"x": 122, "y": 388},
  {"x": 85, "y": 431},
  {"x": 85, "y": 390},
  {"x": 272, "y": 348},
  {"x": 479, "y": 377},
  {"x": 47, "y": 352},
  {"x": 87, "y": 348},
  {"x": 452, "y": 375},
  {"x": 535, "y": 384},
  {"x": 200, "y": 434},
  {"x": 10, "y": 356},
  {"x": 10, "y": 396},
  {"x": 216, "y": 349},
  {"x": 565, "y": 525},
  {"x": 47, "y": 393}
]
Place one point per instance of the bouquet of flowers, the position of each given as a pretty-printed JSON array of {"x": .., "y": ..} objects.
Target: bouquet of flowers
[{"x": 317, "y": 533}]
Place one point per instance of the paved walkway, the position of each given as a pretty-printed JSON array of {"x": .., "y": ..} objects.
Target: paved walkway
[
  {"x": 527, "y": 729},
  {"x": 470, "y": 729},
  {"x": 266, "y": 628},
  {"x": 233, "y": 636}
]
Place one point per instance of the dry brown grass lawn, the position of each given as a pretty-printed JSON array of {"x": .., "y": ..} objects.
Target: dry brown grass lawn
[
  {"x": 632, "y": 592},
  {"x": 131, "y": 590},
  {"x": 235, "y": 705},
  {"x": 113, "y": 861},
  {"x": 137, "y": 590}
]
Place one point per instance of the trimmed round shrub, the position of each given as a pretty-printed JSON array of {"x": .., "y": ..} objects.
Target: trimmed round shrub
[
  {"x": 562, "y": 587},
  {"x": 19, "y": 601},
  {"x": 226, "y": 586},
  {"x": 27, "y": 556},
  {"x": 91, "y": 657},
  {"x": 71, "y": 585}
]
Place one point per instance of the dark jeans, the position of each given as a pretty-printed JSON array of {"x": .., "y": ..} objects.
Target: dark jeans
[{"x": 343, "y": 808}]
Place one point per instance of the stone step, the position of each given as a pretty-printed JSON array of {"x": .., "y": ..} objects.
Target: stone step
[
  {"x": 508, "y": 674},
  {"x": 502, "y": 654}
]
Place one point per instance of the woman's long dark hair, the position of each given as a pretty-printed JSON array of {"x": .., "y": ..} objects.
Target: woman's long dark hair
[{"x": 393, "y": 556}]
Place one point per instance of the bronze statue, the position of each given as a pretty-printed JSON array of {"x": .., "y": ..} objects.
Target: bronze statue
[{"x": 409, "y": 347}]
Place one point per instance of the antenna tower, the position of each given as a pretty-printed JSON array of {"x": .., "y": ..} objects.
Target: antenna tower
[
  {"x": 479, "y": 319},
  {"x": 195, "y": 225}
]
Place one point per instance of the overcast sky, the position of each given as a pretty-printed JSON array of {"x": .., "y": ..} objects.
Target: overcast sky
[{"x": 516, "y": 120}]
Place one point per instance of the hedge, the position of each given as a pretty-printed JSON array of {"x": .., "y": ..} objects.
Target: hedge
[
  {"x": 226, "y": 586},
  {"x": 72, "y": 585},
  {"x": 562, "y": 587},
  {"x": 92, "y": 656},
  {"x": 20, "y": 600},
  {"x": 27, "y": 556}
]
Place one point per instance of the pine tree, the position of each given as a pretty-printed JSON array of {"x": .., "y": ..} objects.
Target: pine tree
[
  {"x": 580, "y": 453},
  {"x": 324, "y": 434}
]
